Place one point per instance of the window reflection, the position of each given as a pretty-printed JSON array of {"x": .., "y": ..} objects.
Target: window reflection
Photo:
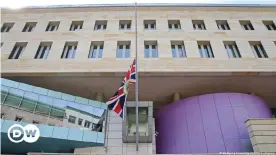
[{"x": 50, "y": 110}]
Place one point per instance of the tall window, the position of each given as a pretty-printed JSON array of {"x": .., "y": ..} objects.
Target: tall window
[
  {"x": 72, "y": 119},
  {"x": 100, "y": 25},
  {"x": 69, "y": 50},
  {"x": 87, "y": 124},
  {"x": 17, "y": 50},
  {"x": 43, "y": 50},
  {"x": 80, "y": 121},
  {"x": 123, "y": 49},
  {"x": 76, "y": 25},
  {"x": 29, "y": 27},
  {"x": 258, "y": 49},
  {"x": 269, "y": 25},
  {"x": 205, "y": 49},
  {"x": 246, "y": 25},
  {"x": 174, "y": 24},
  {"x": 150, "y": 24},
  {"x": 125, "y": 24},
  {"x": 151, "y": 49},
  {"x": 232, "y": 49},
  {"x": 222, "y": 25},
  {"x": 198, "y": 25},
  {"x": 52, "y": 26},
  {"x": 178, "y": 49},
  {"x": 7, "y": 27},
  {"x": 96, "y": 49}
]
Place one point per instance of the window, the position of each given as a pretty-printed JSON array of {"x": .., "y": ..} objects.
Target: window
[
  {"x": 35, "y": 122},
  {"x": 151, "y": 49},
  {"x": 125, "y": 24},
  {"x": 87, "y": 124},
  {"x": 232, "y": 49},
  {"x": 178, "y": 49},
  {"x": 205, "y": 49},
  {"x": 2, "y": 115},
  {"x": 269, "y": 25},
  {"x": 72, "y": 119},
  {"x": 18, "y": 119},
  {"x": 17, "y": 50},
  {"x": 76, "y": 25},
  {"x": 222, "y": 25},
  {"x": 7, "y": 27},
  {"x": 123, "y": 49},
  {"x": 150, "y": 24},
  {"x": 246, "y": 25},
  {"x": 96, "y": 49},
  {"x": 52, "y": 26},
  {"x": 69, "y": 50},
  {"x": 80, "y": 121},
  {"x": 258, "y": 49},
  {"x": 100, "y": 25},
  {"x": 43, "y": 50},
  {"x": 29, "y": 27},
  {"x": 198, "y": 25},
  {"x": 174, "y": 24}
]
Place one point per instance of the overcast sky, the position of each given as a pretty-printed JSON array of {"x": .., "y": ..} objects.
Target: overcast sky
[{"x": 23, "y": 3}]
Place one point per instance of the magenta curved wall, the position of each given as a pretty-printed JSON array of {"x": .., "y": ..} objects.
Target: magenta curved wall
[{"x": 210, "y": 123}]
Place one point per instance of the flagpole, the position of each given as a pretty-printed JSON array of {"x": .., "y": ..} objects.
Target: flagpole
[{"x": 136, "y": 84}]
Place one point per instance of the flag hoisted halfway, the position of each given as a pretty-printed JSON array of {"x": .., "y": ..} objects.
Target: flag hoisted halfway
[{"x": 117, "y": 102}]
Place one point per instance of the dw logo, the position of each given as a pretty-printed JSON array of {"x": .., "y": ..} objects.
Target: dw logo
[{"x": 17, "y": 133}]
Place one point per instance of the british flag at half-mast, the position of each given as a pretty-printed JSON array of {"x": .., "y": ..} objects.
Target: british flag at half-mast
[{"x": 118, "y": 100}]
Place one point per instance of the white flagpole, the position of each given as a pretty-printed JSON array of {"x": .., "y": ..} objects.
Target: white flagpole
[{"x": 136, "y": 86}]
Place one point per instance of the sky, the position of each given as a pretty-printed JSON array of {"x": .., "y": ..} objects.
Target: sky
[{"x": 16, "y": 4}]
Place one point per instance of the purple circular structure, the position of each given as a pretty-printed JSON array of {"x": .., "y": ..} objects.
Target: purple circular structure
[{"x": 209, "y": 123}]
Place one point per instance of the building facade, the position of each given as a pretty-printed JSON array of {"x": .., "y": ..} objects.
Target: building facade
[{"x": 203, "y": 71}]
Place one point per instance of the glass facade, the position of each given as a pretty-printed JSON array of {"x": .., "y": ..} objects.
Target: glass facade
[{"x": 35, "y": 104}]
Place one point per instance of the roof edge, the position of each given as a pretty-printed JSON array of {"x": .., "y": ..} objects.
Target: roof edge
[{"x": 149, "y": 5}]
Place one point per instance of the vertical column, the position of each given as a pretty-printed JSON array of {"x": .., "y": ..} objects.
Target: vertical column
[
  {"x": 99, "y": 97},
  {"x": 210, "y": 25},
  {"x": 176, "y": 97},
  {"x": 41, "y": 26},
  {"x": 258, "y": 25},
  {"x": 218, "y": 49},
  {"x": 30, "y": 50},
  {"x": 112, "y": 25},
  {"x": 64, "y": 25},
  {"x": 110, "y": 47},
  {"x": 270, "y": 48},
  {"x": 162, "y": 25},
  {"x": 18, "y": 26},
  {"x": 6, "y": 50},
  {"x": 164, "y": 49},
  {"x": 83, "y": 50},
  {"x": 234, "y": 25},
  {"x": 186, "y": 25},
  {"x": 192, "y": 49},
  {"x": 245, "y": 49},
  {"x": 56, "y": 50}
]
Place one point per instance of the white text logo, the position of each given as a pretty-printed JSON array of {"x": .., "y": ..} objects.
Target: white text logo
[{"x": 17, "y": 133}]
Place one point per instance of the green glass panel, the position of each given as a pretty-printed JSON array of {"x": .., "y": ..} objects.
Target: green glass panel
[
  {"x": 13, "y": 100},
  {"x": 43, "y": 108},
  {"x": 57, "y": 112},
  {"x": 28, "y": 104},
  {"x": 3, "y": 95}
]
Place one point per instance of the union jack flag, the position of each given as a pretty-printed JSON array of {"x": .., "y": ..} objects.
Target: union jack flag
[{"x": 117, "y": 102}]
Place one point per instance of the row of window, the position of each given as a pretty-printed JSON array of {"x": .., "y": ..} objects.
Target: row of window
[
  {"x": 150, "y": 49},
  {"x": 148, "y": 24},
  {"x": 86, "y": 124}
]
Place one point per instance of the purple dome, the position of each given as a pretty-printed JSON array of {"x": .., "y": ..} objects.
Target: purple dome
[{"x": 209, "y": 123}]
